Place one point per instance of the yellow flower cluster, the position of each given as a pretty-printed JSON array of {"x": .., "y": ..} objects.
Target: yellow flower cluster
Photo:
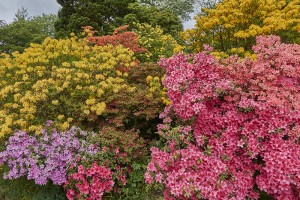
[
  {"x": 61, "y": 80},
  {"x": 159, "y": 44},
  {"x": 236, "y": 23},
  {"x": 156, "y": 89}
]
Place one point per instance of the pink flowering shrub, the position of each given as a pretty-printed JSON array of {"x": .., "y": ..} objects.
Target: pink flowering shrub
[
  {"x": 232, "y": 129},
  {"x": 273, "y": 77},
  {"x": 109, "y": 169},
  {"x": 91, "y": 183}
]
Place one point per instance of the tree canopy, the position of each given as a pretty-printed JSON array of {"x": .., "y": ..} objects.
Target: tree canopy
[
  {"x": 103, "y": 15},
  {"x": 182, "y": 8},
  {"x": 106, "y": 15},
  {"x": 165, "y": 18},
  {"x": 18, "y": 35}
]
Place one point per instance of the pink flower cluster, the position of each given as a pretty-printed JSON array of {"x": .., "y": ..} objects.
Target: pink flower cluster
[
  {"x": 273, "y": 77},
  {"x": 243, "y": 132},
  {"x": 90, "y": 183}
]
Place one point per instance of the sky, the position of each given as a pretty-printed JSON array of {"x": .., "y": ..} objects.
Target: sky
[{"x": 8, "y": 9}]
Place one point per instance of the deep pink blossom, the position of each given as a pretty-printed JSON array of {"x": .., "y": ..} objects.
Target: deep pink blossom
[{"x": 240, "y": 125}]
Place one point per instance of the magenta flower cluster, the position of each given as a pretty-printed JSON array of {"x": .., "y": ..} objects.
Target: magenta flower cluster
[
  {"x": 240, "y": 126},
  {"x": 44, "y": 157}
]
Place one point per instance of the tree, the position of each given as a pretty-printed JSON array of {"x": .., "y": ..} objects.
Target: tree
[
  {"x": 24, "y": 30},
  {"x": 45, "y": 23},
  {"x": 234, "y": 23},
  {"x": 103, "y": 15},
  {"x": 168, "y": 21},
  {"x": 2, "y": 23},
  {"x": 182, "y": 8},
  {"x": 22, "y": 14}
]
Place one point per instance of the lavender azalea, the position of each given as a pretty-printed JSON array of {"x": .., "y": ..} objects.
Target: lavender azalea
[{"x": 44, "y": 157}]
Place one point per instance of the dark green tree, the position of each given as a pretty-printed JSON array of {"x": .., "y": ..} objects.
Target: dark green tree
[
  {"x": 18, "y": 35},
  {"x": 103, "y": 15}
]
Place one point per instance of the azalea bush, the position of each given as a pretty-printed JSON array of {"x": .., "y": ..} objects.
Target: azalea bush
[
  {"x": 121, "y": 36},
  {"x": 88, "y": 164},
  {"x": 110, "y": 168},
  {"x": 231, "y": 25},
  {"x": 139, "y": 109},
  {"x": 44, "y": 157},
  {"x": 158, "y": 43},
  {"x": 91, "y": 183},
  {"x": 149, "y": 43},
  {"x": 232, "y": 129},
  {"x": 66, "y": 80}
]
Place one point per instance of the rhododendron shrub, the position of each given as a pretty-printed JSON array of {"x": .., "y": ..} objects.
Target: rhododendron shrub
[
  {"x": 109, "y": 168},
  {"x": 65, "y": 80},
  {"x": 120, "y": 36},
  {"x": 273, "y": 77},
  {"x": 158, "y": 43},
  {"x": 91, "y": 182},
  {"x": 44, "y": 157},
  {"x": 232, "y": 25},
  {"x": 226, "y": 137},
  {"x": 147, "y": 42},
  {"x": 139, "y": 109}
]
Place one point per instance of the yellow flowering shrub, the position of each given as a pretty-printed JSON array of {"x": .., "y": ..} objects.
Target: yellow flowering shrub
[
  {"x": 63, "y": 80},
  {"x": 156, "y": 89},
  {"x": 158, "y": 44},
  {"x": 234, "y": 24}
]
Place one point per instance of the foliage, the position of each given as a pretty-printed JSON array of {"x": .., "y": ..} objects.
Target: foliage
[
  {"x": 23, "y": 189},
  {"x": 200, "y": 5},
  {"x": 120, "y": 36},
  {"x": 50, "y": 192},
  {"x": 45, "y": 157},
  {"x": 158, "y": 44},
  {"x": 233, "y": 132},
  {"x": 233, "y": 24},
  {"x": 139, "y": 109},
  {"x": 85, "y": 159},
  {"x": 149, "y": 43},
  {"x": 169, "y": 22},
  {"x": 18, "y": 35},
  {"x": 118, "y": 153},
  {"x": 62, "y": 80},
  {"x": 182, "y": 8},
  {"x": 45, "y": 23},
  {"x": 132, "y": 109},
  {"x": 103, "y": 15},
  {"x": 21, "y": 15},
  {"x": 157, "y": 89},
  {"x": 138, "y": 75},
  {"x": 91, "y": 182},
  {"x": 272, "y": 77}
]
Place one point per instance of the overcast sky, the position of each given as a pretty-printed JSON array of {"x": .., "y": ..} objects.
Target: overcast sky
[{"x": 8, "y": 9}]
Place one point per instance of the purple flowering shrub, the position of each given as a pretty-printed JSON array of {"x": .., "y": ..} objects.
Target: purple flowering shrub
[
  {"x": 46, "y": 156},
  {"x": 87, "y": 164}
]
